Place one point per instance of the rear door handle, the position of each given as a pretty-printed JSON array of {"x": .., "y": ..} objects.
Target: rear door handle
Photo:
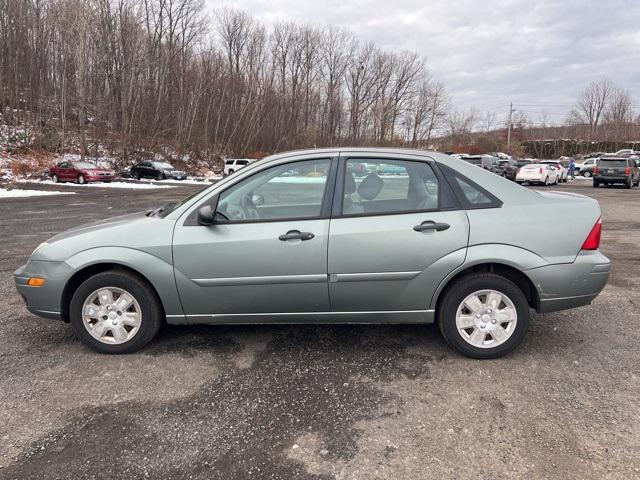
[
  {"x": 296, "y": 235},
  {"x": 431, "y": 225}
]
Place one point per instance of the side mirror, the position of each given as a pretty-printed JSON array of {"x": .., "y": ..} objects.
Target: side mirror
[
  {"x": 258, "y": 200},
  {"x": 206, "y": 215}
]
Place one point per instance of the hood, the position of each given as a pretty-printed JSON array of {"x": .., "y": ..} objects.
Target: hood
[{"x": 135, "y": 230}]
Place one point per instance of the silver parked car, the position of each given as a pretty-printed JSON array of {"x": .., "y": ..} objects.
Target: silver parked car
[{"x": 321, "y": 236}]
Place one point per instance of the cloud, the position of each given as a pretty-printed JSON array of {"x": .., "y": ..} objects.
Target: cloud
[{"x": 491, "y": 52}]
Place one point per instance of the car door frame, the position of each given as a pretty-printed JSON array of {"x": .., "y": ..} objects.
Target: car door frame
[{"x": 189, "y": 219}]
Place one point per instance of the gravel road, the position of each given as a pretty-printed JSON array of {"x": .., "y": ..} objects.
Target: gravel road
[{"x": 318, "y": 402}]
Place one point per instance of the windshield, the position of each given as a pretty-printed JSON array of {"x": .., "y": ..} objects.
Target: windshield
[
  {"x": 87, "y": 165},
  {"x": 167, "y": 208},
  {"x": 164, "y": 165}
]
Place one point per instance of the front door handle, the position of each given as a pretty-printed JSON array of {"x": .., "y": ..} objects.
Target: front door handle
[
  {"x": 296, "y": 235},
  {"x": 431, "y": 225}
]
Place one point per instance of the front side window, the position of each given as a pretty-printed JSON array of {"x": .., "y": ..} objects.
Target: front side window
[
  {"x": 292, "y": 190},
  {"x": 388, "y": 186}
]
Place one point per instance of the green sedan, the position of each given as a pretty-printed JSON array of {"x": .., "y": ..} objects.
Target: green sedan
[{"x": 313, "y": 237}]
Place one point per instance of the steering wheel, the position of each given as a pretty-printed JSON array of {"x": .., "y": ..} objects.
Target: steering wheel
[{"x": 249, "y": 208}]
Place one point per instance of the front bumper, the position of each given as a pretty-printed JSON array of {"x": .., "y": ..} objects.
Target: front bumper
[
  {"x": 45, "y": 301},
  {"x": 569, "y": 285}
]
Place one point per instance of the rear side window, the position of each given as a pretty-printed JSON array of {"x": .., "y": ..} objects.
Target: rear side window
[
  {"x": 229, "y": 162},
  {"x": 242, "y": 162},
  {"x": 380, "y": 186}
]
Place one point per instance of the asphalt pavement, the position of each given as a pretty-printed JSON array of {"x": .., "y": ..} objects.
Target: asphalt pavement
[{"x": 318, "y": 401}]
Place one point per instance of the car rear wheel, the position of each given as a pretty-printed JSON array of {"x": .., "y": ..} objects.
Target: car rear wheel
[
  {"x": 81, "y": 179},
  {"x": 160, "y": 176},
  {"x": 136, "y": 176},
  {"x": 55, "y": 178},
  {"x": 115, "y": 312},
  {"x": 596, "y": 184},
  {"x": 483, "y": 315},
  {"x": 586, "y": 174}
]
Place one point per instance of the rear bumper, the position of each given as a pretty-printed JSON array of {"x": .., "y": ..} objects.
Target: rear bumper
[
  {"x": 570, "y": 285},
  {"x": 520, "y": 178},
  {"x": 611, "y": 179}
]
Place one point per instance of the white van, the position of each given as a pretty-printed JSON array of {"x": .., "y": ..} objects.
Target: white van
[{"x": 233, "y": 164}]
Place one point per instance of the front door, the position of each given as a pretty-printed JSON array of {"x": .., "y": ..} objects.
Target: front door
[
  {"x": 397, "y": 234},
  {"x": 266, "y": 253}
]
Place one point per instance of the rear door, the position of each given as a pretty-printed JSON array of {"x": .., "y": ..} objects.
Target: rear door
[{"x": 394, "y": 236}]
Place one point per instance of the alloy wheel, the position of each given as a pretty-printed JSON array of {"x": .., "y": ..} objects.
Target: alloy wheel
[
  {"x": 111, "y": 315},
  {"x": 486, "y": 318}
]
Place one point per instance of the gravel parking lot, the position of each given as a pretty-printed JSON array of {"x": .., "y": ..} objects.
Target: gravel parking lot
[{"x": 326, "y": 401}]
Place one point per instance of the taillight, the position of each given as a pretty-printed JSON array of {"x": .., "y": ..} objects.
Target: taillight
[
  {"x": 541, "y": 170},
  {"x": 593, "y": 239},
  {"x": 627, "y": 171}
]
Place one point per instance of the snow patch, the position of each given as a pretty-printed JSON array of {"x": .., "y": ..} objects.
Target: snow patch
[
  {"x": 132, "y": 185},
  {"x": 18, "y": 193}
]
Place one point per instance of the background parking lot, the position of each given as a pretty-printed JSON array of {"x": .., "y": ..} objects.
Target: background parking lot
[{"x": 325, "y": 401}]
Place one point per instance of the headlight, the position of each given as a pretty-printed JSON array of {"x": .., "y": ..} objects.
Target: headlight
[{"x": 40, "y": 247}]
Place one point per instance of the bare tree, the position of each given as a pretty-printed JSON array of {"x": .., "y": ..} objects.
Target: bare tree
[{"x": 592, "y": 102}]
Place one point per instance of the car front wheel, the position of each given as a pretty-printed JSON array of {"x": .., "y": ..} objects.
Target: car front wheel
[
  {"x": 81, "y": 179},
  {"x": 55, "y": 178},
  {"x": 483, "y": 315},
  {"x": 586, "y": 174},
  {"x": 115, "y": 312}
]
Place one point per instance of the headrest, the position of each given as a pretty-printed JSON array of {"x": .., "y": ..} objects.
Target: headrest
[
  {"x": 349, "y": 184},
  {"x": 370, "y": 187}
]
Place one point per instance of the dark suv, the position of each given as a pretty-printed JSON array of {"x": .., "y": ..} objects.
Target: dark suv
[
  {"x": 487, "y": 162},
  {"x": 616, "y": 170},
  {"x": 510, "y": 168}
]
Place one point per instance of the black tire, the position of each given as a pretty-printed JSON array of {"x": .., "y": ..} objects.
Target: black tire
[
  {"x": 629, "y": 184},
  {"x": 136, "y": 176},
  {"x": 81, "y": 179},
  {"x": 55, "y": 178},
  {"x": 465, "y": 286},
  {"x": 586, "y": 174},
  {"x": 152, "y": 312},
  {"x": 160, "y": 176}
]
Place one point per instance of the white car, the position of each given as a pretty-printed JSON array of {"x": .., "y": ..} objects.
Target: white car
[
  {"x": 586, "y": 168},
  {"x": 234, "y": 164},
  {"x": 563, "y": 172},
  {"x": 537, "y": 173}
]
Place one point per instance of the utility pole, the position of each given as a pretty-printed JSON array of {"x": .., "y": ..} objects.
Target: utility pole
[{"x": 511, "y": 110}]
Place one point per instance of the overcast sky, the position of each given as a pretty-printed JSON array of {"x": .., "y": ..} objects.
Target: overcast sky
[{"x": 538, "y": 54}]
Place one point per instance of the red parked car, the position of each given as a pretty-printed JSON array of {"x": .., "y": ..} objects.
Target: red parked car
[{"x": 80, "y": 172}]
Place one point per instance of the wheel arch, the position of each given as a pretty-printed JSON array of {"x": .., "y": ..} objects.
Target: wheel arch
[
  {"x": 155, "y": 271},
  {"x": 510, "y": 273},
  {"x": 89, "y": 271},
  {"x": 506, "y": 260}
]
